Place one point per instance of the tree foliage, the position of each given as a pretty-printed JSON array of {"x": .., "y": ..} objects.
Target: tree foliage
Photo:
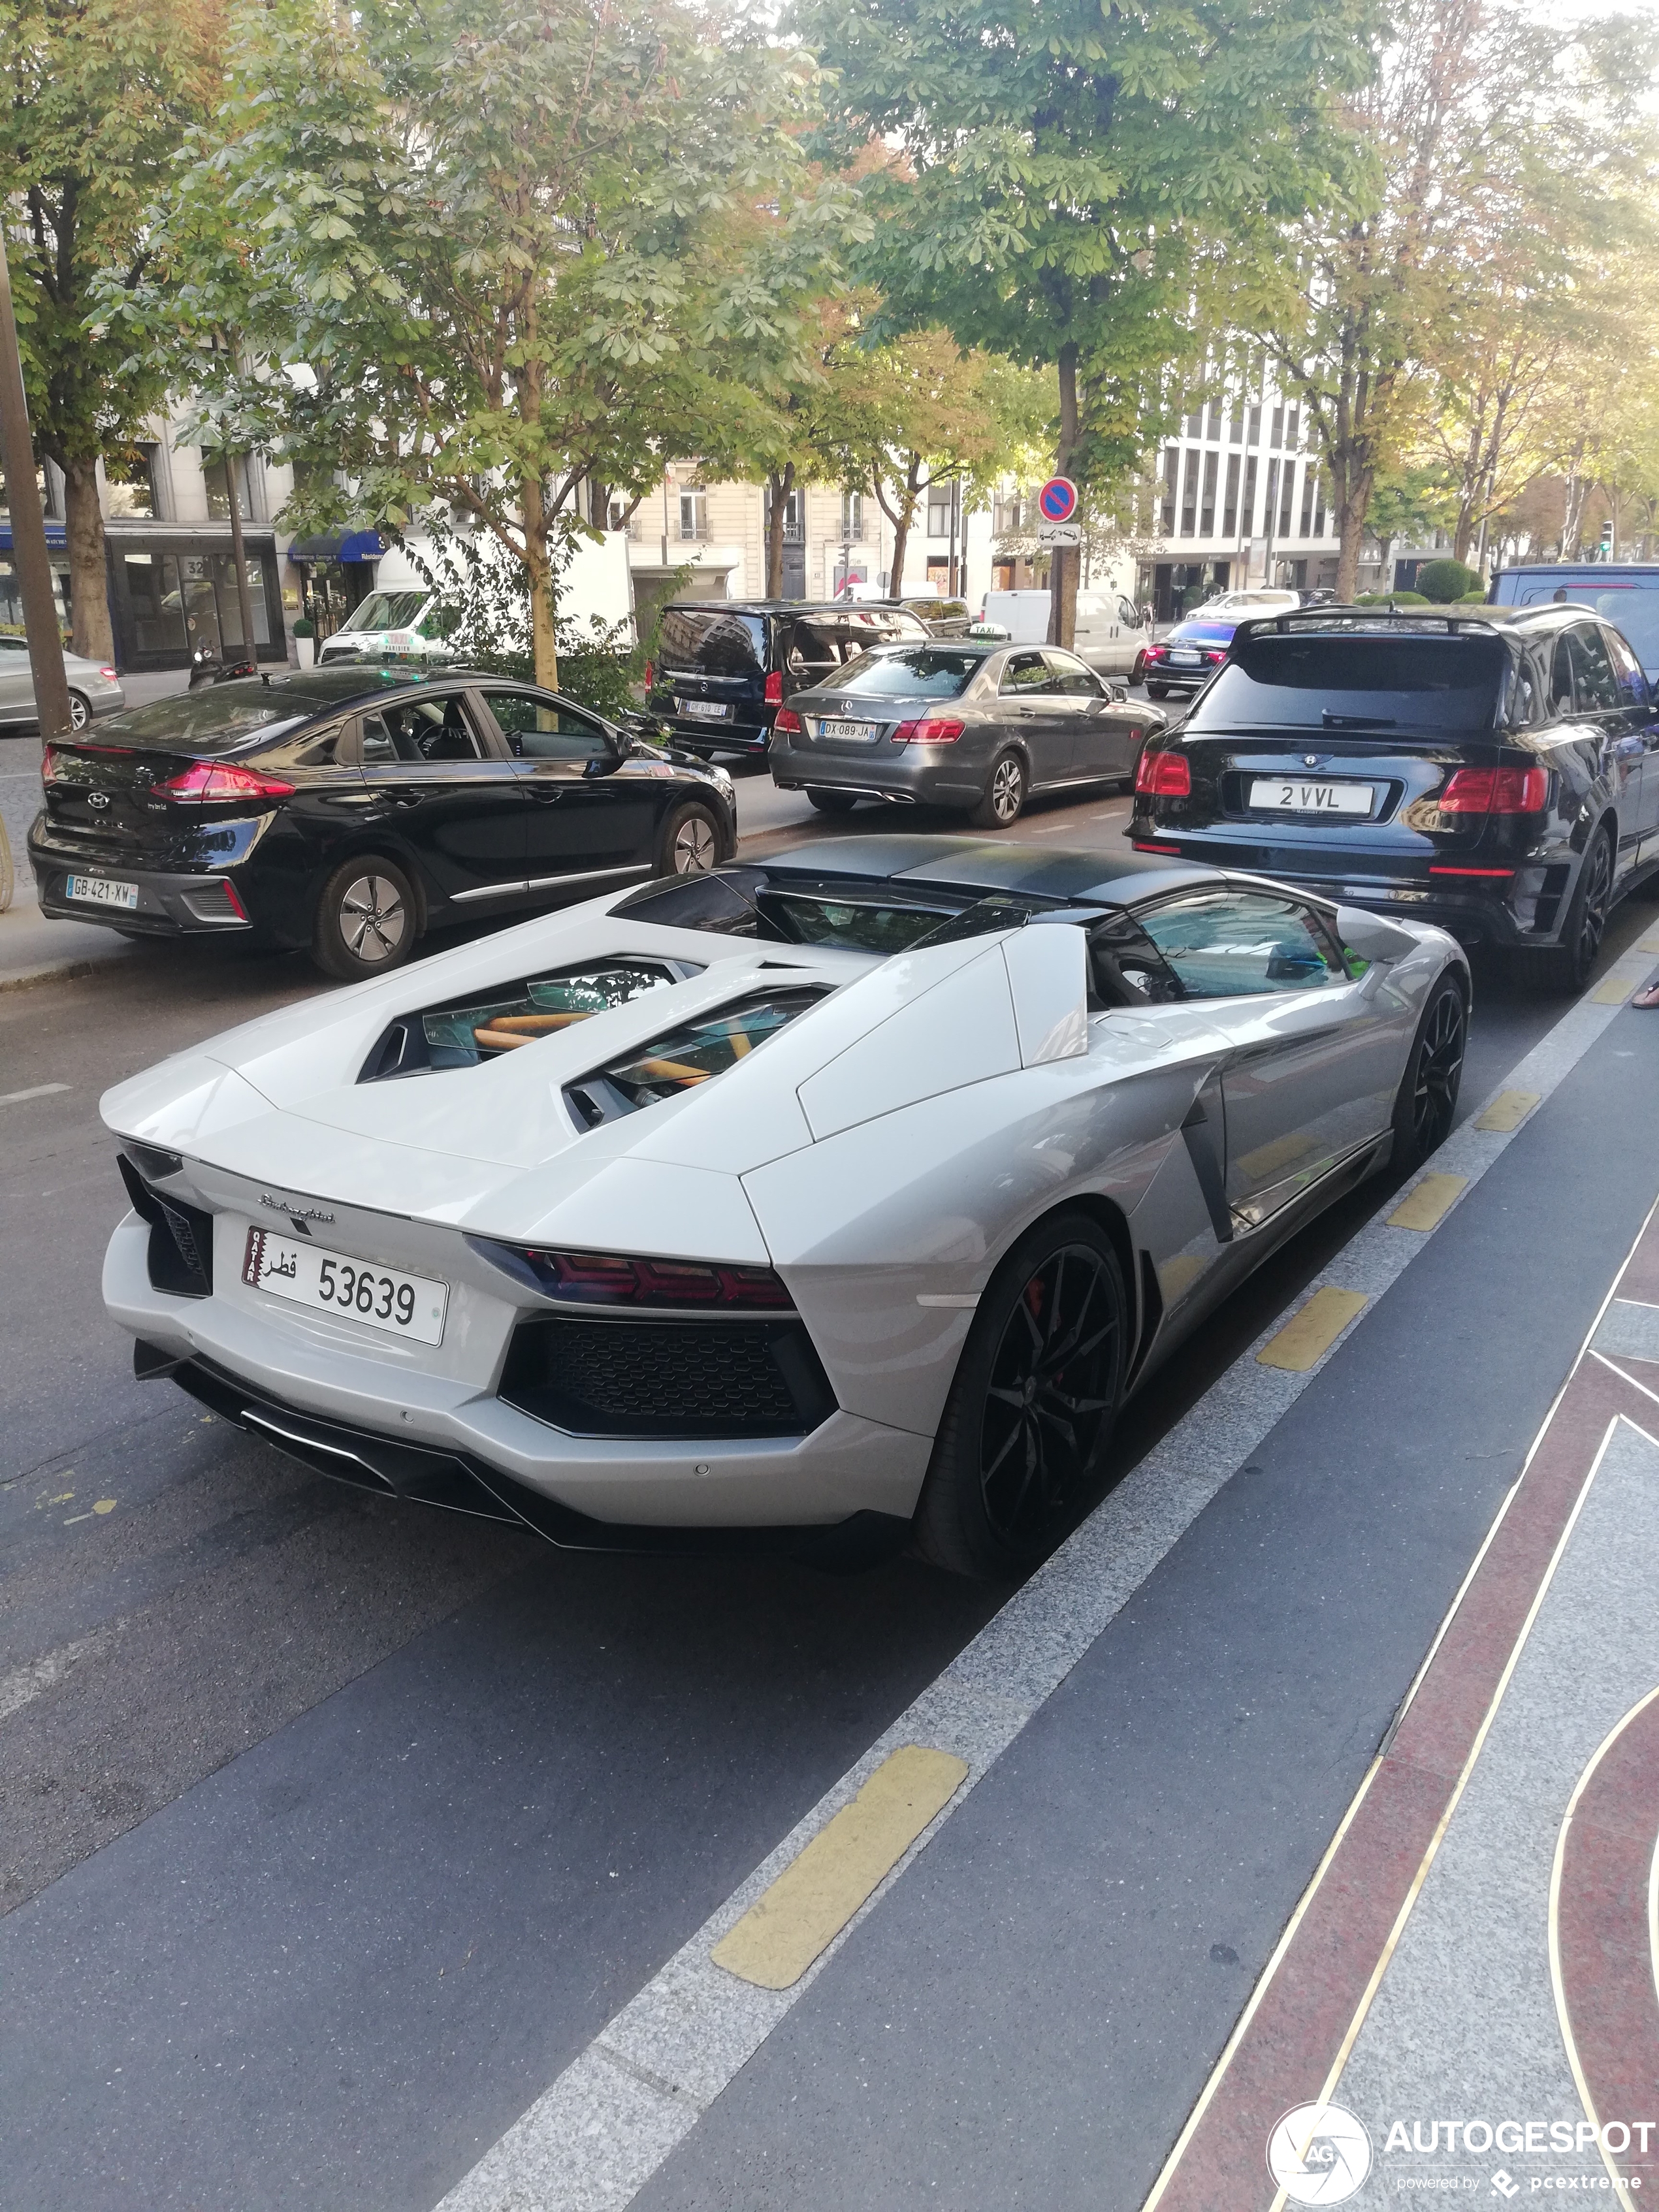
[
  {"x": 96, "y": 98},
  {"x": 477, "y": 256}
]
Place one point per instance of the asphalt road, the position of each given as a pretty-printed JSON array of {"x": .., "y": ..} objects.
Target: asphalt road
[{"x": 331, "y": 1830}]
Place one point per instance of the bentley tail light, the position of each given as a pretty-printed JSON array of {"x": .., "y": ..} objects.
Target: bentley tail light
[
  {"x": 787, "y": 721},
  {"x": 937, "y": 730},
  {"x": 775, "y": 687},
  {"x": 1496, "y": 790},
  {"x": 604, "y": 1278},
  {"x": 1163, "y": 776},
  {"x": 201, "y": 784}
]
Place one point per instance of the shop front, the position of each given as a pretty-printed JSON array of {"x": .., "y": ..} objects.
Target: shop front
[
  {"x": 337, "y": 573},
  {"x": 174, "y": 591}
]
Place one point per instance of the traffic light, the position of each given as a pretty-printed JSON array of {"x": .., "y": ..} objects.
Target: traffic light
[{"x": 1606, "y": 540}]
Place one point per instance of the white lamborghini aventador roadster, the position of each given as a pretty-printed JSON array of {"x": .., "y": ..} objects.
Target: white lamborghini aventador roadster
[{"x": 848, "y": 1194}]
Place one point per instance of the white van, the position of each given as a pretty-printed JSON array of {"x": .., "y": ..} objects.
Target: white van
[
  {"x": 1110, "y": 634},
  {"x": 401, "y": 625}
]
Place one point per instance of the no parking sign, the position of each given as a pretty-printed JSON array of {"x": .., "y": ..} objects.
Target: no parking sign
[{"x": 1057, "y": 507}]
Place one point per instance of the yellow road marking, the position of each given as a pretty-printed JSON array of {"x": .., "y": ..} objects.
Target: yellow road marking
[
  {"x": 1508, "y": 1111},
  {"x": 105, "y": 1505},
  {"x": 1613, "y": 990},
  {"x": 1307, "y": 1335},
  {"x": 1649, "y": 943},
  {"x": 819, "y": 1893},
  {"x": 1427, "y": 1207}
]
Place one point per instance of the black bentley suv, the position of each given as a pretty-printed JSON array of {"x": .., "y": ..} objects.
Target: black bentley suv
[
  {"x": 348, "y": 809},
  {"x": 1497, "y": 776}
]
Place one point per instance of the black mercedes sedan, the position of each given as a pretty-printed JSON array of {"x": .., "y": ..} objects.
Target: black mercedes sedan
[
  {"x": 349, "y": 809},
  {"x": 1498, "y": 777},
  {"x": 972, "y": 726}
]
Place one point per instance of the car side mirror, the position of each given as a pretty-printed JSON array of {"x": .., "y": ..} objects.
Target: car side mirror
[
  {"x": 1372, "y": 936},
  {"x": 1119, "y": 692}
]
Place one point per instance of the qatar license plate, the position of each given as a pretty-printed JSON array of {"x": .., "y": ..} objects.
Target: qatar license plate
[
  {"x": 851, "y": 733},
  {"x": 100, "y": 890},
  {"x": 1286, "y": 795},
  {"x": 702, "y": 710},
  {"x": 379, "y": 1298}
]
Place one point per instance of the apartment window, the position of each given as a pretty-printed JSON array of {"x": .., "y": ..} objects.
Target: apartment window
[
  {"x": 1236, "y": 425},
  {"x": 852, "y": 516},
  {"x": 1249, "y": 497},
  {"x": 623, "y": 513},
  {"x": 1229, "y": 511},
  {"x": 1277, "y": 438},
  {"x": 1189, "y": 493},
  {"x": 1294, "y": 428},
  {"x": 1310, "y": 477},
  {"x": 694, "y": 517},
  {"x": 1256, "y": 425},
  {"x": 1195, "y": 423},
  {"x": 1287, "y": 498},
  {"x": 1214, "y": 428},
  {"x": 1007, "y": 515},
  {"x": 1319, "y": 511},
  {"x": 939, "y": 510},
  {"x": 218, "y": 501},
  {"x": 1172, "y": 471},
  {"x": 1206, "y": 512},
  {"x": 129, "y": 474},
  {"x": 1270, "y": 499},
  {"x": 794, "y": 518}
]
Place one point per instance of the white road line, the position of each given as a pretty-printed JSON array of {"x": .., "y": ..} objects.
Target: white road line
[
  {"x": 24, "y": 1683},
  {"x": 40, "y": 1091},
  {"x": 591, "y": 2141}
]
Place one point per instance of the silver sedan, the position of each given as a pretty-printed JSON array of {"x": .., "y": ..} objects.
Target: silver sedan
[{"x": 93, "y": 687}]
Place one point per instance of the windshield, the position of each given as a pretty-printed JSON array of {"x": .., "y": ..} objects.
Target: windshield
[
  {"x": 1632, "y": 609},
  {"x": 920, "y": 671},
  {"x": 1414, "y": 682},
  {"x": 213, "y": 720},
  {"x": 722, "y": 644},
  {"x": 386, "y": 611}
]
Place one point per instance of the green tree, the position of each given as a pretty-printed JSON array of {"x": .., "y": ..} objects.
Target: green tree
[
  {"x": 481, "y": 256},
  {"x": 1059, "y": 176},
  {"x": 96, "y": 98}
]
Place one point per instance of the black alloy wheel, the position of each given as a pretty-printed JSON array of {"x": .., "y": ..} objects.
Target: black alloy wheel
[
  {"x": 80, "y": 711},
  {"x": 366, "y": 920},
  {"x": 1005, "y": 794},
  {"x": 832, "y": 802},
  {"x": 1426, "y": 1102},
  {"x": 1587, "y": 917},
  {"x": 690, "y": 841},
  {"x": 1020, "y": 1450}
]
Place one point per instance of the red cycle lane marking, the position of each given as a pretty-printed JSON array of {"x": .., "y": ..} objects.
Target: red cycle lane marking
[
  {"x": 1600, "y": 1954},
  {"x": 1309, "y": 2007}
]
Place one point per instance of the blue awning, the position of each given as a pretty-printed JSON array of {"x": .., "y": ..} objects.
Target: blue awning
[
  {"x": 57, "y": 537},
  {"x": 346, "y": 546}
]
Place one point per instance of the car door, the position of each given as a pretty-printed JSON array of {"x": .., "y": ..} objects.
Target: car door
[
  {"x": 1105, "y": 736},
  {"x": 1030, "y": 703},
  {"x": 436, "y": 780},
  {"x": 1315, "y": 1053},
  {"x": 1600, "y": 707},
  {"x": 1642, "y": 720},
  {"x": 583, "y": 818},
  {"x": 16, "y": 681}
]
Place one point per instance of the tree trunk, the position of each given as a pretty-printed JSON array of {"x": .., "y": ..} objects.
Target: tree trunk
[
  {"x": 780, "y": 483},
  {"x": 1352, "y": 486},
  {"x": 1063, "y": 565},
  {"x": 902, "y": 522},
  {"x": 542, "y": 642},
  {"x": 90, "y": 633},
  {"x": 238, "y": 559}
]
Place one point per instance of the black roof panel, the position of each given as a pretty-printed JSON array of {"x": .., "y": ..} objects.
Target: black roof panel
[{"x": 987, "y": 864}]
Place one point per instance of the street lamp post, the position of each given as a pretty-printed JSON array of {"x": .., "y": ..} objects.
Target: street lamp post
[{"x": 28, "y": 529}]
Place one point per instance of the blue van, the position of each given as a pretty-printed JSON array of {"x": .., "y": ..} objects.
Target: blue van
[{"x": 1624, "y": 592}]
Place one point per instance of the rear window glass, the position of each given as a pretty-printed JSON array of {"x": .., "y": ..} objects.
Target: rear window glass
[
  {"x": 464, "y": 1034},
  {"x": 683, "y": 1059},
  {"x": 720, "y": 643},
  {"x": 912, "y": 671},
  {"x": 212, "y": 720},
  {"x": 1417, "y": 682},
  {"x": 1634, "y": 611},
  {"x": 1208, "y": 633}
]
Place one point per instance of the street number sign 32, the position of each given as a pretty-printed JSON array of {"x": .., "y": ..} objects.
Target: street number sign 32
[{"x": 1057, "y": 500}]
